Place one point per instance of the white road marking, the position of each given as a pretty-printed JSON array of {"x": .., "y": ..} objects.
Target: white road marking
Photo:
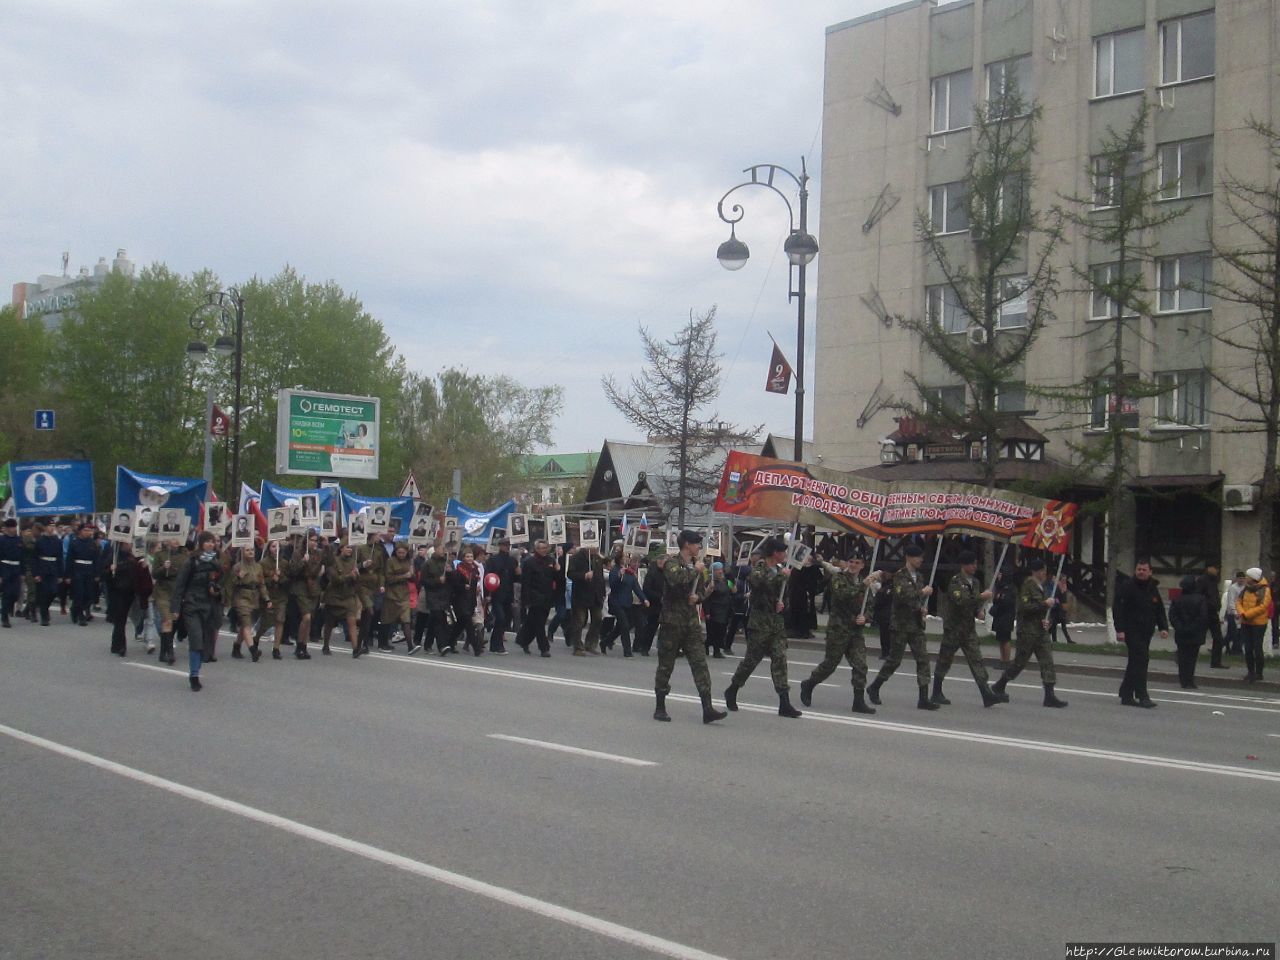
[
  {"x": 1043, "y": 746},
  {"x": 547, "y": 745},
  {"x": 552, "y": 911},
  {"x": 148, "y": 666}
]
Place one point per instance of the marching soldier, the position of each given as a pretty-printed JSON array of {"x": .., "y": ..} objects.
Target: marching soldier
[
  {"x": 12, "y": 563},
  {"x": 396, "y": 575},
  {"x": 305, "y": 566},
  {"x": 48, "y": 570},
  {"x": 341, "y": 597},
  {"x": 844, "y": 633},
  {"x": 909, "y": 598},
  {"x": 961, "y": 603},
  {"x": 370, "y": 558},
  {"x": 765, "y": 630},
  {"x": 84, "y": 567},
  {"x": 1033, "y": 607},
  {"x": 248, "y": 593},
  {"x": 165, "y": 564},
  {"x": 680, "y": 631},
  {"x": 275, "y": 577},
  {"x": 29, "y": 573}
]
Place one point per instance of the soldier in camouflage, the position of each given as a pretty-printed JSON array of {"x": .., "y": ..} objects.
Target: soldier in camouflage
[
  {"x": 845, "y": 597},
  {"x": 961, "y": 602},
  {"x": 1033, "y": 610},
  {"x": 680, "y": 631},
  {"x": 765, "y": 631},
  {"x": 909, "y": 598}
]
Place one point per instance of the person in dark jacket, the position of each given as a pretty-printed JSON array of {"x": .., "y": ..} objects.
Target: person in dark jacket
[
  {"x": 882, "y": 613},
  {"x": 84, "y": 567},
  {"x": 802, "y": 609},
  {"x": 1209, "y": 586},
  {"x": 561, "y": 620},
  {"x": 1190, "y": 616},
  {"x": 198, "y": 596},
  {"x": 1138, "y": 611},
  {"x": 13, "y": 562},
  {"x": 501, "y": 600},
  {"x": 654, "y": 584},
  {"x": 586, "y": 572},
  {"x": 47, "y": 569},
  {"x": 741, "y": 600},
  {"x": 624, "y": 587},
  {"x": 1004, "y": 607},
  {"x": 539, "y": 576},
  {"x": 717, "y": 604}
]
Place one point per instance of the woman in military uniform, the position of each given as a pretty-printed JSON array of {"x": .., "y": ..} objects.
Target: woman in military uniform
[
  {"x": 370, "y": 559},
  {"x": 395, "y": 599},
  {"x": 248, "y": 592},
  {"x": 275, "y": 578},
  {"x": 305, "y": 567},
  {"x": 341, "y": 601},
  {"x": 165, "y": 564}
]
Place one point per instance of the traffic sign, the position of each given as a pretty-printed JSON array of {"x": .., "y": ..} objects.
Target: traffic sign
[{"x": 44, "y": 419}]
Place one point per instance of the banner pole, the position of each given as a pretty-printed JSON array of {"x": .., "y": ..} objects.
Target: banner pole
[
  {"x": 937, "y": 555},
  {"x": 999, "y": 563},
  {"x": 875, "y": 551},
  {"x": 1053, "y": 589}
]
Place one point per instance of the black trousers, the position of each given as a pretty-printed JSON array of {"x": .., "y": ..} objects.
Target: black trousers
[
  {"x": 83, "y": 592},
  {"x": 501, "y": 610},
  {"x": 715, "y": 635},
  {"x": 1188, "y": 652},
  {"x": 534, "y": 627},
  {"x": 121, "y": 604},
  {"x": 1252, "y": 638},
  {"x": 886, "y": 638},
  {"x": 622, "y": 626},
  {"x": 648, "y": 629},
  {"x": 1215, "y": 634},
  {"x": 1134, "y": 683},
  {"x": 10, "y": 590},
  {"x": 736, "y": 620}
]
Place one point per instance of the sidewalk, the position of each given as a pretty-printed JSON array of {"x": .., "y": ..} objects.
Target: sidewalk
[{"x": 1106, "y": 663}]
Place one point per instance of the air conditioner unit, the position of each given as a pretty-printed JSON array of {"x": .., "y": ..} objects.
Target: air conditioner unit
[
  {"x": 1239, "y": 497},
  {"x": 977, "y": 335}
]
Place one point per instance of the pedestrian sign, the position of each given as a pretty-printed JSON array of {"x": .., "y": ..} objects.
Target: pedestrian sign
[{"x": 44, "y": 419}]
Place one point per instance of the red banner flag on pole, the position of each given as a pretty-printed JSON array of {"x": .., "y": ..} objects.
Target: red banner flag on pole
[
  {"x": 219, "y": 422},
  {"x": 779, "y": 373}
]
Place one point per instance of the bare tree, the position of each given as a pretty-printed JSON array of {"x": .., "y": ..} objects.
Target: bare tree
[
  {"x": 1251, "y": 256},
  {"x": 681, "y": 378}
]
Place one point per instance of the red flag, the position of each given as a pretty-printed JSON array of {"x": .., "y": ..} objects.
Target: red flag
[
  {"x": 779, "y": 373},
  {"x": 1050, "y": 529},
  {"x": 219, "y": 422}
]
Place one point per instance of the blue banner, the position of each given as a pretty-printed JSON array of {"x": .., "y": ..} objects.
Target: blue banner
[
  {"x": 475, "y": 525},
  {"x": 49, "y": 487},
  {"x": 135, "y": 489},
  {"x": 274, "y": 495},
  {"x": 401, "y": 509}
]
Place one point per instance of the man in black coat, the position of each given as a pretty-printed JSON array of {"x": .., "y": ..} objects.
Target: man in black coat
[
  {"x": 586, "y": 571},
  {"x": 538, "y": 581},
  {"x": 1209, "y": 586},
  {"x": 504, "y": 565},
  {"x": 1137, "y": 613},
  {"x": 654, "y": 583}
]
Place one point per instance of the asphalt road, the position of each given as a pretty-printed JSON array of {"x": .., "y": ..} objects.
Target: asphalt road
[{"x": 335, "y": 808}]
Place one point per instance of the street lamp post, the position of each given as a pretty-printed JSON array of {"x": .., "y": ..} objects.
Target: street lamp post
[
  {"x": 800, "y": 247},
  {"x": 230, "y": 306}
]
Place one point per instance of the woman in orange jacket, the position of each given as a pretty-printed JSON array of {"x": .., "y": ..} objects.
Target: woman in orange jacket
[{"x": 1253, "y": 609}]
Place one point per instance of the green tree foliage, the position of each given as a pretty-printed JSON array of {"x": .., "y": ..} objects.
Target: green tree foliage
[
  {"x": 482, "y": 425},
  {"x": 24, "y": 387}
]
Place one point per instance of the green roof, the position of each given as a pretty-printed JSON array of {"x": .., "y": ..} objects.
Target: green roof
[{"x": 560, "y": 464}]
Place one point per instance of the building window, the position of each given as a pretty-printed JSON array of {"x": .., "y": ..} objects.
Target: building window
[
  {"x": 952, "y": 101},
  {"x": 1013, "y": 303},
  {"x": 1182, "y": 398},
  {"x": 1108, "y": 292},
  {"x": 945, "y": 310},
  {"x": 1186, "y": 168},
  {"x": 1110, "y": 177},
  {"x": 1186, "y": 46},
  {"x": 1009, "y": 87},
  {"x": 949, "y": 208},
  {"x": 1107, "y": 405},
  {"x": 944, "y": 399},
  {"x": 1184, "y": 282},
  {"x": 1117, "y": 63},
  {"x": 1011, "y": 398}
]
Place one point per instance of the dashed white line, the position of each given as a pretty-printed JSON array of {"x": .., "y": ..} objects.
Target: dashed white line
[{"x": 579, "y": 751}]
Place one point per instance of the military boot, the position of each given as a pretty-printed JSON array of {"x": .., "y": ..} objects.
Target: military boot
[
  {"x": 873, "y": 692},
  {"x": 1049, "y": 699},
  {"x": 709, "y": 713},
  {"x": 937, "y": 697},
  {"x": 235, "y": 651},
  {"x": 998, "y": 687},
  {"x": 806, "y": 693},
  {"x": 166, "y": 646},
  {"x": 924, "y": 703},
  {"x": 660, "y": 711},
  {"x": 731, "y": 697},
  {"x": 989, "y": 697},
  {"x": 255, "y": 652},
  {"x": 859, "y": 703},
  {"x": 785, "y": 709}
]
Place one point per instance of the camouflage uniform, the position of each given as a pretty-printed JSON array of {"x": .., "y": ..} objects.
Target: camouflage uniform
[
  {"x": 844, "y": 636},
  {"x": 961, "y": 603},
  {"x": 680, "y": 631},
  {"x": 1032, "y": 610},
  {"x": 908, "y": 628},
  {"x": 765, "y": 632},
  {"x": 247, "y": 593}
]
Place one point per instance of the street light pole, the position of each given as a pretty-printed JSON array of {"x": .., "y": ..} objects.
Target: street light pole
[
  {"x": 230, "y": 306},
  {"x": 800, "y": 247}
]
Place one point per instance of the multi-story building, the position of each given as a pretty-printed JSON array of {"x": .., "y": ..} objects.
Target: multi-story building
[
  {"x": 51, "y": 295},
  {"x": 901, "y": 86}
]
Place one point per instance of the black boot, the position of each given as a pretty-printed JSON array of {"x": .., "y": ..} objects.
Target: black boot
[
  {"x": 300, "y": 651},
  {"x": 731, "y": 697},
  {"x": 1049, "y": 699},
  {"x": 998, "y": 688},
  {"x": 660, "y": 712},
  {"x": 989, "y": 697},
  {"x": 937, "y": 697},
  {"x": 873, "y": 691},
  {"x": 806, "y": 692},
  {"x": 709, "y": 713},
  {"x": 166, "y": 647},
  {"x": 860, "y": 703},
  {"x": 785, "y": 709},
  {"x": 924, "y": 703},
  {"x": 195, "y": 682},
  {"x": 235, "y": 651},
  {"x": 255, "y": 652}
]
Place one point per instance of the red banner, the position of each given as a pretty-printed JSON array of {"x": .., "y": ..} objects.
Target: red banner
[
  {"x": 219, "y": 422},
  {"x": 779, "y": 373}
]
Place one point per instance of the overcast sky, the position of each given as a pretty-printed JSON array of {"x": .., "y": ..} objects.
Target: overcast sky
[{"x": 508, "y": 185}]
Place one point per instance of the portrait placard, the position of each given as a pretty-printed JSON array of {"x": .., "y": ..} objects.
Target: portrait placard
[
  {"x": 797, "y": 553},
  {"x": 329, "y": 523},
  {"x": 556, "y": 529},
  {"x": 713, "y": 542},
  {"x": 121, "y": 527},
  {"x": 242, "y": 530},
  {"x": 673, "y": 541},
  {"x": 216, "y": 517},
  {"x": 744, "y": 552},
  {"x": 518, "y": 528},
  {"x": 277, "y": 523},
  {"x": 589, "y": 532},
  {"x": 377, "y": 518},
  {"x": 310, "y": 504},
  {"x": 174, "y": 525}
]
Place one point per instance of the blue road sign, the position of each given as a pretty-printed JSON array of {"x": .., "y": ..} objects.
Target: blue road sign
[{"x": 44, "y": 419}]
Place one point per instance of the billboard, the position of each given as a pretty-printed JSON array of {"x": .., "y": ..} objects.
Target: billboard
[{"x": 327, "y": 435}]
